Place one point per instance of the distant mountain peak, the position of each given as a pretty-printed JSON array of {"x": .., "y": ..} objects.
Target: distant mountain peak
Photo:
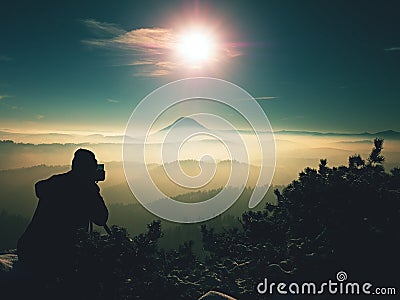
[{"x": 184, "y": 122}]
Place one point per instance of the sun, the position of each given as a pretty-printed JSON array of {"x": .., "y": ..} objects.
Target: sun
[{"x": 196, "y": 46}]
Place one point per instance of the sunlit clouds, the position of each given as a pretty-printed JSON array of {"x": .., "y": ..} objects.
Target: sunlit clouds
[{"x": 162, "y": 51}]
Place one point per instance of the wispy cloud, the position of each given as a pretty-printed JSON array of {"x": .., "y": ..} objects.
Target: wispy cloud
[
  {"x": 103, "y": 28},
  {"x": 39, "y": 117},
  {"x": 5, "y": 96},
  {"x": 109, "y": 100},
  {"x": 292, "y": 117},
  {"x": 261, "y": 98},
  {"x": 266, "y": 98},
  {"x": 151, "y": 50},
  {"x": 5, "y": 58},
  {"x": 7, "y": 104},
  {"x": 392, "y": 49}
]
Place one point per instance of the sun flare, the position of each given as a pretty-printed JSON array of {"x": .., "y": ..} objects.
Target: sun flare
[{"x": 196, "y": 47}]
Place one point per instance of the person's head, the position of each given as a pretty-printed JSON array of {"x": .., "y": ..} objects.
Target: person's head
[{"x": 84, "y": 164}]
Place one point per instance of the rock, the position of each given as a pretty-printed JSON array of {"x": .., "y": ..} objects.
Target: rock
[{"x": 213, "y": 295}]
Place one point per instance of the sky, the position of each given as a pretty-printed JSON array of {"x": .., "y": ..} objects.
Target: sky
[{"x": 83, "y": 66}]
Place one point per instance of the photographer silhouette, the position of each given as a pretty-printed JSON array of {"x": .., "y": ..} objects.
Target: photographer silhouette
[{"x": 67, "y": 203}]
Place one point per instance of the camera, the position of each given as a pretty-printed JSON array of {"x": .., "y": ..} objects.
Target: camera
[{"x": 100, "y": 173}]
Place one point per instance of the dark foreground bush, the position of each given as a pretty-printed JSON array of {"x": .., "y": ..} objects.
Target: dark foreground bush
[
  {"x": 118, "y": 267},
  {"x": 343, "y": 218}
]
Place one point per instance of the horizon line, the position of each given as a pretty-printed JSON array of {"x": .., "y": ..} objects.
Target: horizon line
[{"x": 87, "y": 133}]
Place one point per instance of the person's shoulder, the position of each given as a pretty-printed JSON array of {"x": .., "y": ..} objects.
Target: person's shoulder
[
  {"x": 55, "y": 182},
  {"x": 62, "y": 176},
  {"x": 54, "y": 179}
]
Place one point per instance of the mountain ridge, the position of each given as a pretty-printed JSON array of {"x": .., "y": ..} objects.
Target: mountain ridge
[
  {"x": 384, "y": 133},
  {"x": 183, "y": 122}
]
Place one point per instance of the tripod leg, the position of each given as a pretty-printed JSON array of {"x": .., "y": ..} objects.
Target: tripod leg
[{"x": 107, "y": 229}]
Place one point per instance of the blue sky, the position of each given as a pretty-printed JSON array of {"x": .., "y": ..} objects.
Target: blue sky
[{"x": 314, "y": 65}]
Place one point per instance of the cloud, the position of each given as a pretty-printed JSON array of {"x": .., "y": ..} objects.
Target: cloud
[
  {"x": 103, "y": 28},
  {"x": 4, "y": 97},
  {"x": 12, "y": 107},
  {"x": 153, "y": 39},
  {"x": 39, "y": 117},
  {"x": 261, "y": 98},
  {"x": 151, "y": 50},
  {"x": 292, "y": 117},
  {"x": 266, "y": 98},
  {"x": 392, "y": 49},
  {"x": 109, "y": 100},
  {"x": 7, "y": 103},
  {"x": 5, "y": 58}
]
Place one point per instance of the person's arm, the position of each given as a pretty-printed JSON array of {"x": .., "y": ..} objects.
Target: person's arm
[{"x": 98, "y": 209}]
